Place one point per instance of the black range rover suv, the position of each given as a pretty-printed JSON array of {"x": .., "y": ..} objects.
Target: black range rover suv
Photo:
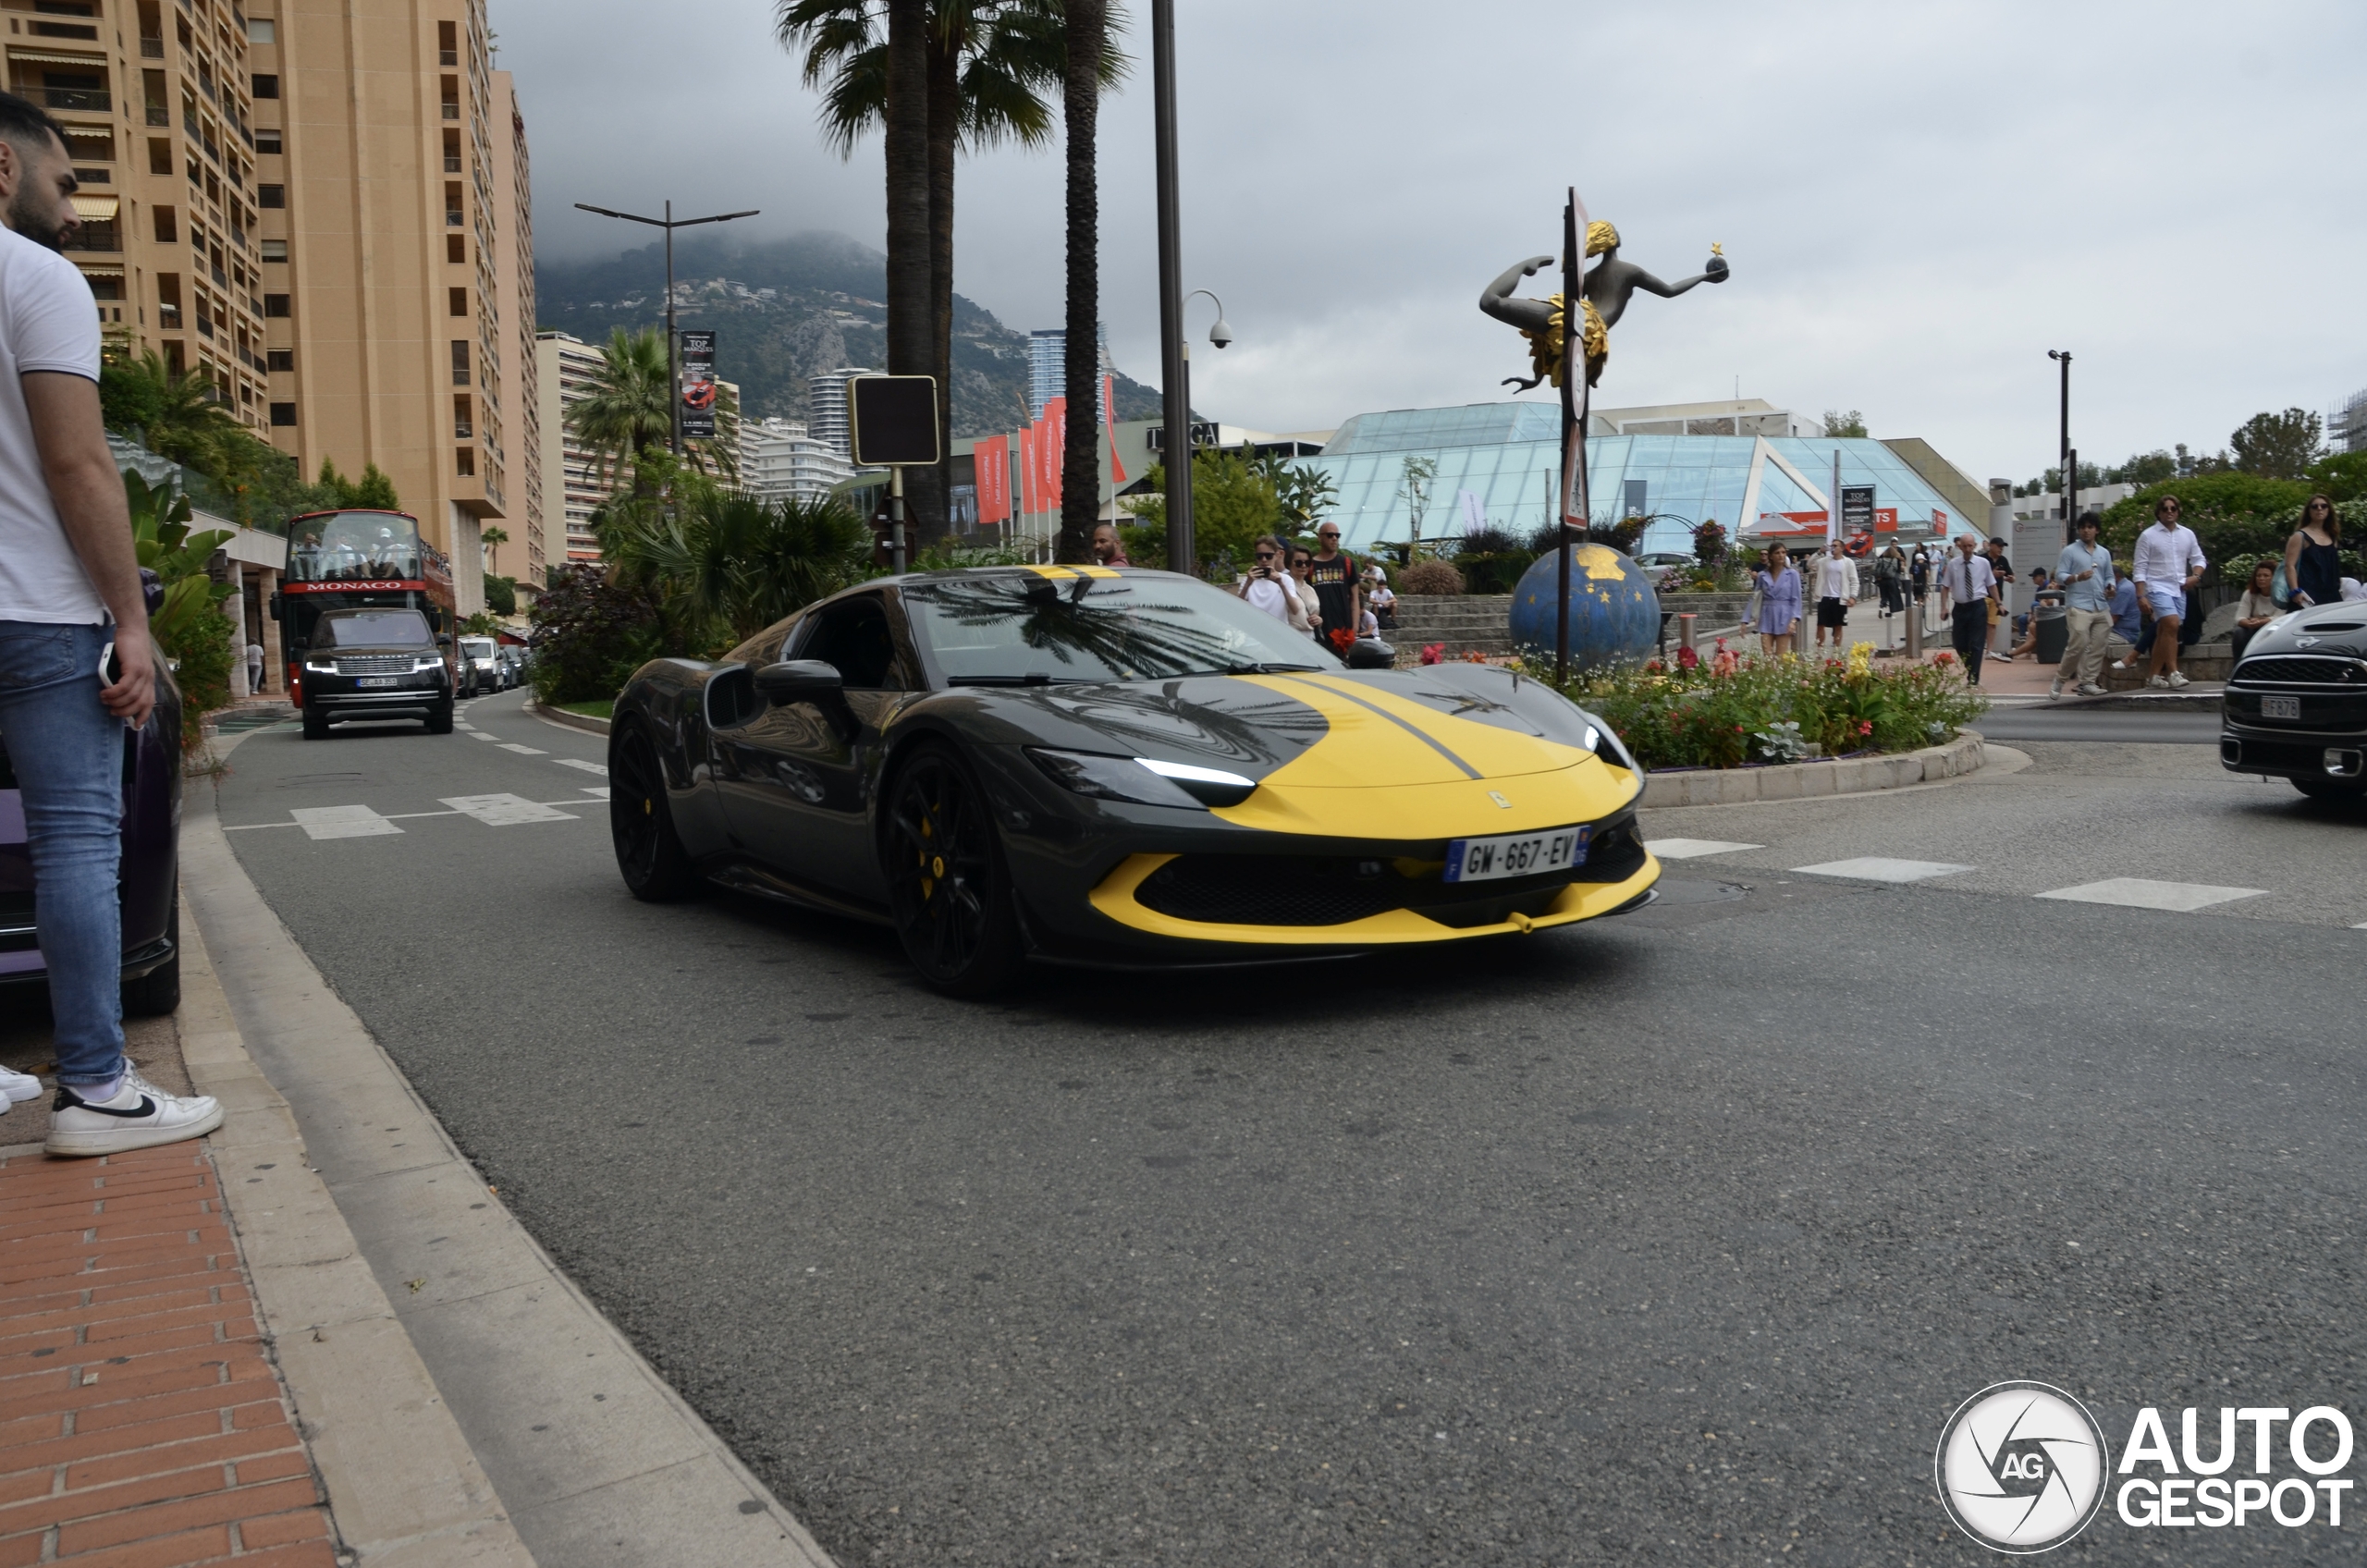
[
  {"x": 2297, "y": 702},
  {"x": 382, "y": 663}
]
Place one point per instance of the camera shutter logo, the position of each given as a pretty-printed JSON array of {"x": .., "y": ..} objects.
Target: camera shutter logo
[{"x": 2022, "y": 1467}]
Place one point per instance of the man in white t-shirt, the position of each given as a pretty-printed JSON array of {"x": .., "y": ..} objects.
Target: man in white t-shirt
[
  {"x": 2168, "y": 564},
  {"x": 1836, "y": 590},
  {"x": 1268, "y": 586},
  {"x": 75, "y": 662}
]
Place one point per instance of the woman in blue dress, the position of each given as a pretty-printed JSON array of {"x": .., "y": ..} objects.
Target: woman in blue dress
[{"x": 1779, "y": 603}]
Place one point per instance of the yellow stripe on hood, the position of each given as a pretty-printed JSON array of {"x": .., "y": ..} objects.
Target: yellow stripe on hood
[{"x": 1390, "y": 767}]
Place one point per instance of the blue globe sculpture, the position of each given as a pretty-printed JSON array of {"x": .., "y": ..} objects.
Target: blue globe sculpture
[{"x": 1615, "y": 615}]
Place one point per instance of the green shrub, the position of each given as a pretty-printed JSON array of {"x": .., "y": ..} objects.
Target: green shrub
[
  {"x": 200, "y": 643},
  {"x": 1727, "y": 711},
  {"x": 589, "y": 635},
  {"x": 1492, "y": 573},
  {"x": 2232, "y": 514},
  {"x": 1430, "y": 576}
]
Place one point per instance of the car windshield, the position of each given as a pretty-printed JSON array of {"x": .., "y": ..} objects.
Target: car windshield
[
  {"x": 373, "y": 629},
  {"x": 477, "y": 647},
  {"x": 1014, "y": 629}
]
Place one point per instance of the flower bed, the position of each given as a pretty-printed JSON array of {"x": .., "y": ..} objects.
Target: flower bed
[{"x": 1729, "y": 711}]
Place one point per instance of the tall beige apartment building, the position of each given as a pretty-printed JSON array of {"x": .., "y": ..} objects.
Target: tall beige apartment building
[
  {"x": 571, "y": 484},
  {"x": 325, "y": 206}
]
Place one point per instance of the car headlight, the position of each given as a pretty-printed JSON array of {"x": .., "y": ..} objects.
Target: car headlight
[
  {"x": 421, "y": 667},
  {"x": 319, "y": 668},
  {"x": 1144, "y": 780},
  {"x": 1600, "y": 740}
]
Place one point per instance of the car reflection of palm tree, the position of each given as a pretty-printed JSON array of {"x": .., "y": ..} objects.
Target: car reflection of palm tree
[{"x": 1126, "y": 641}]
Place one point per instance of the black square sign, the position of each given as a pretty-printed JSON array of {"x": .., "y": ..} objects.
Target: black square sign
[{"x": 891, "y": 421}]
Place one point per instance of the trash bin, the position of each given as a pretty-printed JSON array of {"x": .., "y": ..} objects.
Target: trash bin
[{"x": 2054, "y": 631}]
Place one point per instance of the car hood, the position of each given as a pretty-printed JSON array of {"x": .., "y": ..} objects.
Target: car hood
[
  {"x": 2339, "y": 630},
  {"x": 1425, "y": 753}
]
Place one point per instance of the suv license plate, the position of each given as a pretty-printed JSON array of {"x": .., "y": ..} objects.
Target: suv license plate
[
  {"x": 377, "y": 681},
  {"x": 2280, "y": 707},
  {"x": 1516, "y": 854}
]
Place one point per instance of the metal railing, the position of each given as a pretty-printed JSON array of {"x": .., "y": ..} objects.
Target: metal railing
[
  {"x": 159, "y": 113},
  {"x": 103, "y": 237},
  {"x": 152, "y": 48},
  {"x": 70, "y": 97}
]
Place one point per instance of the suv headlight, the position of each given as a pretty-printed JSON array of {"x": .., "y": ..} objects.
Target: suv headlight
[
  {"x": 1144, "y": 780},
  {"x": 421, "y": 667},
  {"x": 317, "y": 668}
]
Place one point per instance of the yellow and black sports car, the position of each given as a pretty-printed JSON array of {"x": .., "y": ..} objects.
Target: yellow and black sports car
[{"x": 1115, "y": 768}]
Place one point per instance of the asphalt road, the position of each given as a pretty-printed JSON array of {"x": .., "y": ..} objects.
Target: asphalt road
[{"x": 1675, "y": 1238}]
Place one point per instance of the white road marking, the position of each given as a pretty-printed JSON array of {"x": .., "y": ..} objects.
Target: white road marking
[
  {"x": 1693, "y": 848},
  {"x": 523, "y": 751},
  {"x": 251, "y": 826},
  {"x": 463, "y": 724},
  {"x": 480, "y": 735},
  {"x": 600, "y": 768},
  {"x": 407, "y": 816},
  {"x": 342, "y": 822},
  {"x": 503, "y": 811},
  {"x": 1878, "y": 868},
  {"x": 2136, "y": 892},
  {"x": 601, "y": 792}
]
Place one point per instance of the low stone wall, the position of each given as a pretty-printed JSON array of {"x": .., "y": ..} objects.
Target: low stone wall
[{"x": 1807, "y": 780}]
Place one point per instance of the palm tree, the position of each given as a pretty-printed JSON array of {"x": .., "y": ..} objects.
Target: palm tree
[
  {"x": 629, "y": 414},
  {"x": 728, "y": 562},
  {"x": 179, "y": 413},
  {"x": 1088, "y": 30},
  {"x": 989, "y": 63},
  {"x": 492, "y": 539}
]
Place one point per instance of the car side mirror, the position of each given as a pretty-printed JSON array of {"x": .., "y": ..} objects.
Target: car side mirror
[
  {"x": 1371, "y": 653},
  {"x": 443, "y": 642},
  {"x": 809, "y": 681},
  {"x": 276, "y": 608}
]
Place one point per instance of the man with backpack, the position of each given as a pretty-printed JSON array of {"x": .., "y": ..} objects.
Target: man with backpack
[{"x": 1333, "y": 575}]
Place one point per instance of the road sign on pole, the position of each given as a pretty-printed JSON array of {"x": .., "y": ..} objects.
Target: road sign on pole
[{"x": 891, "y": 423}]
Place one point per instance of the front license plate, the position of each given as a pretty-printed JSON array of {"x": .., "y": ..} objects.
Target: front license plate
[
  {"x": 2280, "y": 707},
  {"x": 377, "y": 680},
  {"x": 1516, "y": 854}
]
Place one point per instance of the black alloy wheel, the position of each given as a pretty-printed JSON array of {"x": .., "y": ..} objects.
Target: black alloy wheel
[
  {"x": 656, "y": 868},
  {"x": 439, "y": 719},
  {"x": 947, "y": 885}
]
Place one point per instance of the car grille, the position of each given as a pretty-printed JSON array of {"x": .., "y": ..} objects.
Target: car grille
[
  {"x": 375, "y": 664},
  {"x": 1333, "y": 890},
  {"x": 2302, "y": 669}
]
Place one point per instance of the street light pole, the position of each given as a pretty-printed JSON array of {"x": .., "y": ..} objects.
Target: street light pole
[
  {"x": 2070, "y": 484},
  {"x": 1174, "y": 365},
  {"x": 673, "y": 372}
]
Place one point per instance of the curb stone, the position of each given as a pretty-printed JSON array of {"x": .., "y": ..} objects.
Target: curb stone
[
  {"x": 582, "y": 721},
  {"x": 1802, "y": 781},
  {"x": 403, "y": 1487}
]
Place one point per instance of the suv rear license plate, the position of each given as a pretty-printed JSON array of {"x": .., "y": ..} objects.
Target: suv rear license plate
[
  {"x": 377, "y": 681},
  {"x": 1516, "y": 854},
  {"x": 2280, "y": 707}
]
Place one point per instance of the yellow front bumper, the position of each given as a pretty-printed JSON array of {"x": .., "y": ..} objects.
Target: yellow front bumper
[{"x": 1399, "y": 928}]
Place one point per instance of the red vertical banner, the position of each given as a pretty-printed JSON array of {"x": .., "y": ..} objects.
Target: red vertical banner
[
  {"x": 1052, "y": 448},
  {"x": 990, "y": 461},
  {"x": 1031, "y": 484},
  {"x": 1110, "y": 428}
]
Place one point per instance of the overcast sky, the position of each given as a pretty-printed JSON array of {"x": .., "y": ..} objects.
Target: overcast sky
[{"x": 1918, "y": 200}]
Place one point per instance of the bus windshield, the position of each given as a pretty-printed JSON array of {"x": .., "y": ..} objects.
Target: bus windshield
[{"x": 353, "y": 547}]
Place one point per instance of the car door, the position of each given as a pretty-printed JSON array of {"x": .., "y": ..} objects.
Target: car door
[{"x": 795, "y": 782}]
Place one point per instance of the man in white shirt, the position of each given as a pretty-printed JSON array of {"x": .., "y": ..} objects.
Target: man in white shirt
[
  {"x": 76, "y": 666},
  {"x": 1836, "y": 590},
  {"x": 1268, "y": 586},
  {"x": 1966, "y": 583},
  {"x": 2084, "y": 572},
  {"x": 2168, "y": 564}
]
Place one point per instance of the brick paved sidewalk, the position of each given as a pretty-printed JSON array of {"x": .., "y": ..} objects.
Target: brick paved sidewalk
[{"x": 141, "y": 1425}]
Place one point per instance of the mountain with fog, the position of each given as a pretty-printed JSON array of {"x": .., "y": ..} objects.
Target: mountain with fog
[{"x": 783, "y": 310}]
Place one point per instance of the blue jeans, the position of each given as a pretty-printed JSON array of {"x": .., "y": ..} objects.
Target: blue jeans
[{"x": 67, "y": 753}]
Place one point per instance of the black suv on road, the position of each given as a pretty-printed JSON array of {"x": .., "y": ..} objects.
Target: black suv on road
[
  {"x": 376, "y": 664},
  {"x": 2297, "y": 702}
]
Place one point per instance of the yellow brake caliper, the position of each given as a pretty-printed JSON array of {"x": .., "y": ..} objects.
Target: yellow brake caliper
[{"x": 936, "y": 866}]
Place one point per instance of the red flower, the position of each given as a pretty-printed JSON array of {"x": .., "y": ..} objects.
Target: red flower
[
  {"x": 1686, "y": 658},
  {"x": 1434, "y": 653},
  {"x": 1943, "y": 657},
  {"x": 1343, "y": 639},
  {"x": 1865, "y": 727}
]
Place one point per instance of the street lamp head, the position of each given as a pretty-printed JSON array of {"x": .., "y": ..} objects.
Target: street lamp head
[
  {"x": 1220, "y": 333},
  {"x": 2059, "y": 354}
]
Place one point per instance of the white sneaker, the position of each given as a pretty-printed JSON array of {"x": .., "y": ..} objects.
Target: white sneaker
[
  {"x": 2089, "y": 689},
  {"x": 2176, "y": 679},
  {"x": 2158, "y": 682},
  {"x": 2054, "y": 689},
  {"x": 140, "y": 1117},
  {"x": 17, "y": 1087},
  {"x": 2002, "y": 658}
]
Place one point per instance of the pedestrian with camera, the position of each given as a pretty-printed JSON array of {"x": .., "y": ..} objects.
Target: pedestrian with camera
[
  {"x": 1267, "y": 585},
  {"x": 77, "y": 668}
]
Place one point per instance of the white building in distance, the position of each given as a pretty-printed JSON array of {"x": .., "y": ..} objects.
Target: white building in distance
[
  {"x": 779, "y": 460},
  {"x": 827, "y": 394},
  {"x": 570, "y": 485}
]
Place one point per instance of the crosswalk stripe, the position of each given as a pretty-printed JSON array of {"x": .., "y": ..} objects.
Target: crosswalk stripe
[
  {"x": 523, "y": 751},
  {"x": 600, "y": 768},
  {"x": 504, "y": 811},
  {"x": 1693, "y": 848},
  {"x": 2137, "y": 892},
  {"x": 479, "y": 735},
  {"x": 1878, "y": 868},
  {"x": 342, "y": 822}
]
